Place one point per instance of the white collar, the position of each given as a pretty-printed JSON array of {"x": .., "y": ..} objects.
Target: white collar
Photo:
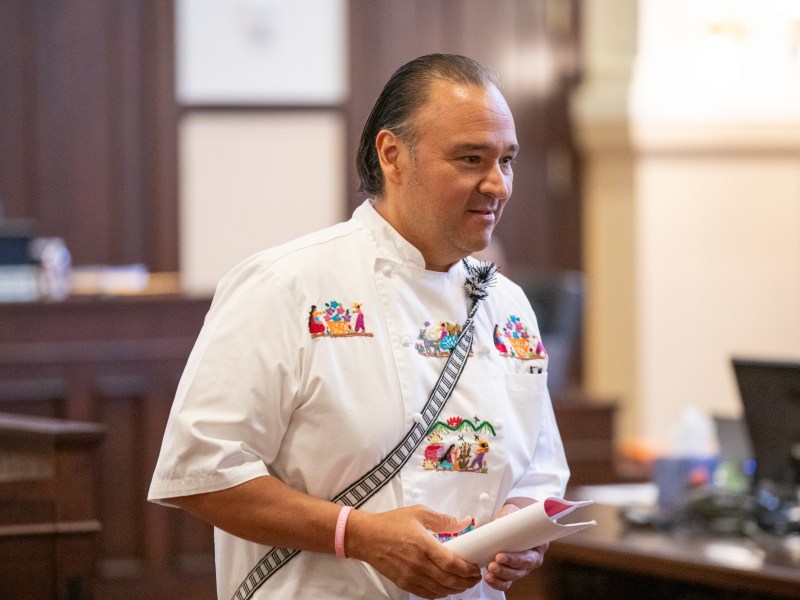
[{"x": 390, "y": 244}]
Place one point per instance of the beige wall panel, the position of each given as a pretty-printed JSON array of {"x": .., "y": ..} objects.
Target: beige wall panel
[
  {"x": 249, "y": 181},
  {"x": 718, "y": 253}
]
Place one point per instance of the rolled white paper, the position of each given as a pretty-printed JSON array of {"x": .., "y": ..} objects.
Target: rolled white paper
[{"x": 521, "y": 530}]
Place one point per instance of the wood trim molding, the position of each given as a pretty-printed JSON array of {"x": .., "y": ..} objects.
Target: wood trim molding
[{"x": 60, "y": 528}]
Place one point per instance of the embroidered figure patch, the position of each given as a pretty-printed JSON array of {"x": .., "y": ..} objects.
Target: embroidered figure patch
[
  {"x": 337, "y": 321},
  {"x": 515, "y": 341},
  {"x": 458, "y": 445},
  {"x": 437, "y": 339}
]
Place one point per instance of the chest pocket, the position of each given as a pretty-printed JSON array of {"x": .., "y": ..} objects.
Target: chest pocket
[
  {"x": 526, "y": 394},
  {"x": 526, "y": 384}
]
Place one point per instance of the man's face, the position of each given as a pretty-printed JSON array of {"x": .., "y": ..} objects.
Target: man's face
[{"x": 457, "y": 179}]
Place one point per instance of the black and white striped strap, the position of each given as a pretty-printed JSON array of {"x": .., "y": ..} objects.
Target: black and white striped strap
[{"x": 370, "y": 483}]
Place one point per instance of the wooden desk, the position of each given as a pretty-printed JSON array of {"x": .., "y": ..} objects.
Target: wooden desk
[{"x": 616, "y": 561}]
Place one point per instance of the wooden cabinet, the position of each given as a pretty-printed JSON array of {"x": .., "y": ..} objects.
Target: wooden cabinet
[{"x": 587, "y": 430}]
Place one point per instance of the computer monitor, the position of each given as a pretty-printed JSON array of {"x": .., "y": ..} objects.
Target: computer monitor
[{"x": 770, "y": 395}]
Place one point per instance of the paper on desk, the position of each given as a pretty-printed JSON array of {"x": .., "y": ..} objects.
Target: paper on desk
[{"x": 518, "y": 531}]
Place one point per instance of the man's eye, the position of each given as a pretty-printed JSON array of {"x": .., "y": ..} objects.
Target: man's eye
[
  {"x": 508, "y": 160},
  {"x": 473, "y": 160}
]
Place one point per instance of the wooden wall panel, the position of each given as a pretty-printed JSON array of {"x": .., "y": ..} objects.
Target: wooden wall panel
[
  {"x": 122, "y": 545},
  {"x": 159, "y": 152},
  {"x": 88, "y": 127},
  {"x": 34, "y": 573},
  {"x": 16, "y": 91},
  {"x": 71, "y": 123}
]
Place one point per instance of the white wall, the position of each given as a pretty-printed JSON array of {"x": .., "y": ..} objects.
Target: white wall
[
  {"x": 697, "y": 173},
  {"x": 718, "y": 275}
]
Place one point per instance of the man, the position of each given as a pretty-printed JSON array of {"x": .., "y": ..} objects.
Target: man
[{"x": 285, "y": 403}]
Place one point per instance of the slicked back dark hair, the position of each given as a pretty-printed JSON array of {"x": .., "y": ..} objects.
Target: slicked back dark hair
[{"x": 404, "y": 94}]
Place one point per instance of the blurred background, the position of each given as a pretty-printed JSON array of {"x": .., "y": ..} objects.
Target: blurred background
[{"x": 147, "y": 147}]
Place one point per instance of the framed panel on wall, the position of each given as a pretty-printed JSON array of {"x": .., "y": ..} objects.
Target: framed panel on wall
[{"x": 261, "y": 52}]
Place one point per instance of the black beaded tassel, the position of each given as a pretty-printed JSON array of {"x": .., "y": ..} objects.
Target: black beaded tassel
[{"x": 480, "y": 277}]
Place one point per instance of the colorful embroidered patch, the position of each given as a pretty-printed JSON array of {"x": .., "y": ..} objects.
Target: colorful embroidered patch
[
  {"x": 337, "y": 321},
  {"x": 516, "y": 342},
  {"x": 458, "y": 445},
  {"x": 437, "y": 339}
]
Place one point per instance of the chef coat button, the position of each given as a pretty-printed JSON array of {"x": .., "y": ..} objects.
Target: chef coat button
[
  {"x": 406, "y": 341},
  {"x": 483, "y": 350},
  {"x": 484, "y": 497},
  {"x": 387, "y": 271},
  {"x": 498, "y": 425},
  {"x": 417, "y": 417},
  {"x": 416, "y": 493}
]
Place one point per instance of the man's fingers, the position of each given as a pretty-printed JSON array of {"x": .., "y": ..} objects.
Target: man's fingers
[
  {"x": 528, "y": 560},
  {"x": 436, "y": 577},
  {"x": 508, "y": 567},
  {"x": 444, "y": 560},
  {"x": 440, "y": 523},
  {"x": 399, "y": 545}
]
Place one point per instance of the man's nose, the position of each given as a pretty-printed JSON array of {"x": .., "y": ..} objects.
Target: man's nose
[{"x": 496, "y": 183}]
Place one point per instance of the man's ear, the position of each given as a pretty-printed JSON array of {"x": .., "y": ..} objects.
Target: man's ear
[{"x": 390, "y": 149}]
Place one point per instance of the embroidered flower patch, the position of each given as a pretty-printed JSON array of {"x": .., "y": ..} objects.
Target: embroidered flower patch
[
  {"x": 515, "y": 341},
  {"x": 437, "y": 339},
  {"x": 337, "y": 321},
  {"x": 458, "y": 445}
]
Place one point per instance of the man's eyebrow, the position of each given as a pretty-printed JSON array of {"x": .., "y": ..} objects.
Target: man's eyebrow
[{"x": 481, "y": 147}]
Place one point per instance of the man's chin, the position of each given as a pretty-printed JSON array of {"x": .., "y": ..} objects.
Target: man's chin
[
  {"x": 482, "y": 243},
  {"x": 486, "y": 253}
]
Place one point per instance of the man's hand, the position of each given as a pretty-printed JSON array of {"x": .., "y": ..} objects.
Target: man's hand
[
  {"x": 508, "y": 567},
  {"x": 399, "y": 545}
]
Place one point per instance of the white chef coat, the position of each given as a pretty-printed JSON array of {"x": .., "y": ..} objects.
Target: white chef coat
[{"x": 263, "y": 395}]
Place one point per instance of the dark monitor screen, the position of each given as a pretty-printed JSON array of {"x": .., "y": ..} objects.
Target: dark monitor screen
[
  {"x": 770, "y": 394},
  {"x": 14, "y": 250}
]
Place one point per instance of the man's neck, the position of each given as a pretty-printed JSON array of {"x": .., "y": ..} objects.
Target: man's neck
[{"x": 383, "y": 208}]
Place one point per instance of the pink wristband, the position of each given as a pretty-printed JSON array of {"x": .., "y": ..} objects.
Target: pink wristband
[{"x": 341, "y": 524}]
